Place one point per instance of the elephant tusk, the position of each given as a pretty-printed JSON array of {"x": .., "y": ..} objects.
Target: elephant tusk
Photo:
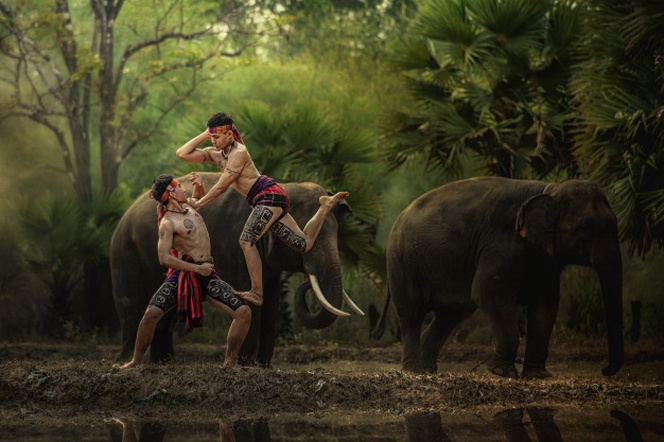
[
  {"x": 352, "y": 305},
  {"x": 319, "y": 295}
]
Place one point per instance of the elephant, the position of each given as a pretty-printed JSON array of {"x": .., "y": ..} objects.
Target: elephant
[
  {"x": 136, "y": 273},
  {"x": 497, "y": 244}
]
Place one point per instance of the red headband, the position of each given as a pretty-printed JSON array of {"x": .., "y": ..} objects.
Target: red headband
[
  {"x": 225, "y": 128},
  {"x": 164, "y": 196},
  {"x": 219, "y": 129}
]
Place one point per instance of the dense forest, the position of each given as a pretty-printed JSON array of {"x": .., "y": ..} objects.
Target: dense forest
[{"x": 384, "y": 98}]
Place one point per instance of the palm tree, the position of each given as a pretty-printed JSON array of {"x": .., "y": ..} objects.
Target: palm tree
[
  {"x": 487, "y": 83},
  {"x": 66, "y": 238},
  {"x": 618, "y": 89}
]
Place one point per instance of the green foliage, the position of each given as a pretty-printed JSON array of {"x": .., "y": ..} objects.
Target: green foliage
[
  {"x": 618, "y": 90},
  {"x": 485, "y": 79},
  {"x": 51, "y": 233},
  {"x": 60, "y": 233},
  {"x": 643, "y": 282}
]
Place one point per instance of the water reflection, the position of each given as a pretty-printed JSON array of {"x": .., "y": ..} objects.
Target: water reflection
[
  {"x": 244, "y": 431},
  {"x": 256, "y": 430},
  {"x": 511, "y": 425}
]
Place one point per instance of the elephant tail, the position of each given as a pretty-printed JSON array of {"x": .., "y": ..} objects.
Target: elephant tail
[{"x": 377, "y": 331}]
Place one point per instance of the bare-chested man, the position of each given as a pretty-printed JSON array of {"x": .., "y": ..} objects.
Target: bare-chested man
[
  {"x": 191, "y": 273},
  {"x": 269, "y": 200}
]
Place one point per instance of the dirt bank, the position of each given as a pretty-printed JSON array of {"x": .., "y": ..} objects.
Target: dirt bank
[{"x": 68, "y": 380}]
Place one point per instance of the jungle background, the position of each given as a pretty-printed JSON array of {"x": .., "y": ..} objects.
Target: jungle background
[{"x": 384, "y": 98}]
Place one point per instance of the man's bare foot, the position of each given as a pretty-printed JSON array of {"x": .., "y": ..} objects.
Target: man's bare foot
[
  {"x": 252, "y": 297},
  {"x": 121, "y": 420},
  {"x": 232, "y": 365},
  {"x": 331, "y": 201},
  {"x": 129, "y": 364}
]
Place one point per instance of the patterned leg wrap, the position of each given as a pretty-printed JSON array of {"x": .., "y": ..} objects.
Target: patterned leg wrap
[
  {"x": 221, "y": 291},
  {"x": 255, "y": 225},
  {"x": 292, "y": 239},
  {"x": 166, "y": 296}
]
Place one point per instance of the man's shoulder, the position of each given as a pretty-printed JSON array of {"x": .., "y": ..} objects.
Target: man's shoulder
[
  {"x": 166, "y": 222},
  {"x": 242, "y": 149},
  {"x": 189, "y": 207}
]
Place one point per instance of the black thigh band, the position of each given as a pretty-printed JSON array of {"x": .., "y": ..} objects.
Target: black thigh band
[
  {"x": 221, "y": 291},
  {"x": 292, "y": 239},
  {"x": 166, "y": 296},
  {"x": 256, "y": 223}
]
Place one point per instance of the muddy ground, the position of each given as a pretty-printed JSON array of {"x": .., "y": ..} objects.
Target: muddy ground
[{"x": 66, "y": 381}]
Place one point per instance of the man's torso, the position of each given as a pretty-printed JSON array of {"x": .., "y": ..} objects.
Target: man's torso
[
  {"x": 248, "y": 174},
  {"x": 190, "y": 235}
]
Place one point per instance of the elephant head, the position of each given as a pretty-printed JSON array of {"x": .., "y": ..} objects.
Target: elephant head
[
  {"x": 574, "y": 223},
  {"x": 136, "y": 272}
]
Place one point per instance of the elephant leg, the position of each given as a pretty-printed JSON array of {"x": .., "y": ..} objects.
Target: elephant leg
[
  {"x": 495, "y": 294},
  {"x": 249, "y": 350},
  {"x": 162, "y": 348},
  {"x": 128, "y": 328},
  {"x": 411, "y": 329},
  {"x": 435, "y": 335},
  {"x": 542, "y": 312},
  {"x": 268, "y": 324}
]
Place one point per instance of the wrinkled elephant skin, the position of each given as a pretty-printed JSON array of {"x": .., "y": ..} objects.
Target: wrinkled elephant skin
[
  {"x": 136, "y": 272},
  {"x": 494, "y": 244}
]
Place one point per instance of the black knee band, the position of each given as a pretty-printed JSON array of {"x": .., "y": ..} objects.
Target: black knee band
[
  {"x": 292, "y": 239},
  {"x": 221, "y": 291},
  {"x": 255, "y": 225}
]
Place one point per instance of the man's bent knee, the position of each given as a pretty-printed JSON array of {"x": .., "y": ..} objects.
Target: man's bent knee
[
  {"x": 243, "y": 314},
  {"x": 153, "y": 314}
]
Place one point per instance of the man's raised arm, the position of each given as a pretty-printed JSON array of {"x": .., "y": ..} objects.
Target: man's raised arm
[
  {"x": 199, "y": 187},
  {"x": 189, "y": 151}
]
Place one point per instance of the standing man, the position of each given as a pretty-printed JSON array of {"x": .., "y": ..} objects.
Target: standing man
[
  {"x": 184, "y": 247},
  {"x": 269, "y": 201}
]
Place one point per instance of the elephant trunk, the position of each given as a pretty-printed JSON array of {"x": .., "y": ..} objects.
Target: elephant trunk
[
  {"x": 607, "y": 262},
  {"x": 323, "y": 263}
]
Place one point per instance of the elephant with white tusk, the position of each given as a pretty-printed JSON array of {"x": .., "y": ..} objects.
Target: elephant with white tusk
[
  {"x": 494, "y": 244},
  {"x": 136, "y": 272}
]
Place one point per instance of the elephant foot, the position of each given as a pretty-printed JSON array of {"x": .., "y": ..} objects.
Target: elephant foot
[
  {"x": 251, "y": 297},
  {"x": 502, "y": 368},
  {"x": 532, "y": 372}
]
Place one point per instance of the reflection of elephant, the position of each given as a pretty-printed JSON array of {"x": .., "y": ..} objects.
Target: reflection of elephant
[
  {"x": 246, "y": 430},
  {"x": 541, "y": 419},
  {"x": 255, "y": 430},
  {"x": 137, "y": 274},
  {"x": 425, "y": 427},
  {"x": 494, "y": 243}
]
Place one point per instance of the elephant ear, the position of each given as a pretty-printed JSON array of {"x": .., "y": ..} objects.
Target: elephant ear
[{"x": 535, "y": 221}]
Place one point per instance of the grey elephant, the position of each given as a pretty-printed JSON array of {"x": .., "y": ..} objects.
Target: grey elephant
[
  {"x": 136, "y": 272},
  {"x": 496, "y": 244}
]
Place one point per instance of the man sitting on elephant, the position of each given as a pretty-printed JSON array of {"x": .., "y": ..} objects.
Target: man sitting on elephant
[
  {"x": 184, "y": 247},
  {"x": 269, "y": 200}
]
